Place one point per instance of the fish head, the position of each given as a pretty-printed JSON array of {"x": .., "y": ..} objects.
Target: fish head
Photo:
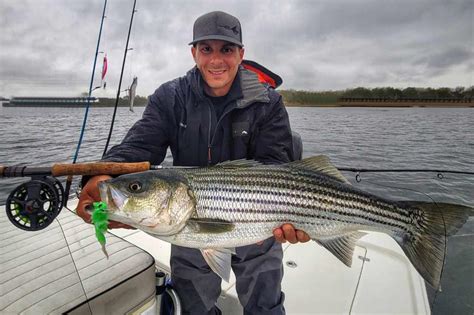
[{"x": 158, "y": 202}]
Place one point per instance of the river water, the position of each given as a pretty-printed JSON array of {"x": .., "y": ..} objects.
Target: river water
[{"x": 422, "y": 138}]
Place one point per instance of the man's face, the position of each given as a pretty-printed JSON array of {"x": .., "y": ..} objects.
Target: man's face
[{"x": 218, "y": 61}]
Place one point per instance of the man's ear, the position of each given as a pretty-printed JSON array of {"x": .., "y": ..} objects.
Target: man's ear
[
  {"x": 193, "y": 52},
  {"x": 241, "y": 53}
]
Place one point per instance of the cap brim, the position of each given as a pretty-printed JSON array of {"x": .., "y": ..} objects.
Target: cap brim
[{"x": 218, "y": 37}]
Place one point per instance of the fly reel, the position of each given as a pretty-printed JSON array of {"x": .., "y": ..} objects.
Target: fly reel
[{"x": 34, "y": 205}]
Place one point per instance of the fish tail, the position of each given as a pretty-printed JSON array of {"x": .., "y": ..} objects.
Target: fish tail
[{"x": 425, "y": 242}]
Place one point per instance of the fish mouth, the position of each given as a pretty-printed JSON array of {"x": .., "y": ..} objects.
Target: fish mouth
[
  {"x": 103, "y": 192},
  {"x": 113, "y": 197}
]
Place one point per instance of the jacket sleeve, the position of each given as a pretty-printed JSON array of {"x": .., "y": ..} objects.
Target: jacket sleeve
[
  {"x": 273, "y": 143},
  {"x": 148, "y": 139}
]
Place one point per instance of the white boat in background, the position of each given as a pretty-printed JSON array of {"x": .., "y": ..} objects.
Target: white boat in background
[{"x": 62, "y": 269}]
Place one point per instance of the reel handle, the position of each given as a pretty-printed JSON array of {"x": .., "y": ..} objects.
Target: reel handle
[{"x": 98, "y": 168}]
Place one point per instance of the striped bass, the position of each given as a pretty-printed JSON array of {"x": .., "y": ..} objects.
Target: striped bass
[{"x": 237, "y": 203}]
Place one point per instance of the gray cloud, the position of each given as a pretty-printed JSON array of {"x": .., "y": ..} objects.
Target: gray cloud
[
  {"x": 447, "y": 57},
  {"x": 48, "y": 45}
]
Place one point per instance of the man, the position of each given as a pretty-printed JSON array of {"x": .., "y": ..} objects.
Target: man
[{"x": 219, "y": 111}]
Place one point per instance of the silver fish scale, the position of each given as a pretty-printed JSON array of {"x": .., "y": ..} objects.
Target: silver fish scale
[
  {"x": 242, "y": 234},
  {"x": 278, "y": 194}
]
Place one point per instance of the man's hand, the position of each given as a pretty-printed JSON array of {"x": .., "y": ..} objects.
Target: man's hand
[
  {"x": 288, "y": 233},
  {"x": 90, "y": 194}
]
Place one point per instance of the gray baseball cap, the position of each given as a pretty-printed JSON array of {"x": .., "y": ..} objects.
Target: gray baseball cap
[{"x": 217, "y": 25}]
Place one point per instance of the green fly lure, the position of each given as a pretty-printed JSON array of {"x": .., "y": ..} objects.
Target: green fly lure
[{"x": 100, "y": 219}]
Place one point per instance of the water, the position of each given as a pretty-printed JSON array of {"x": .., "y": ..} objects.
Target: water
[{"x": 435, "y": 138}]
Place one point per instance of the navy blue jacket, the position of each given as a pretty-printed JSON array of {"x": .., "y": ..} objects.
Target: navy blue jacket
[{"x": 178, "y": 115}]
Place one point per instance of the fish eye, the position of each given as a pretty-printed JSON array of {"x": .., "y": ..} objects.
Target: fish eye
[{"x": 135, "y": 186}]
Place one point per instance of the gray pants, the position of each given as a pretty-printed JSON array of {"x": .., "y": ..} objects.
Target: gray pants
[{"x": 258, "y": 270}]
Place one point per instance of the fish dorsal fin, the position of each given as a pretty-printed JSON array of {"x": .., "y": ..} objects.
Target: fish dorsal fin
[
  {"x": 322, "y": 164},
  {"x": 342, "y": 246},
  {"x": 238, "y": 163},
  {"x": 219, "y": 259},
  {"x": 211, "y": 226}
]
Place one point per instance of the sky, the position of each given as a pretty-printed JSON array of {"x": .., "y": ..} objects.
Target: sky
[{"x": 47, "y": 47}]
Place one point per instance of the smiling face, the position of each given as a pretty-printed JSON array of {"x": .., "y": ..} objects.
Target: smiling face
[{"x": 218, "y": 61}]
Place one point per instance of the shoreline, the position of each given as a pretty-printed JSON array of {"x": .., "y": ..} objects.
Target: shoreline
[
  {"x": 68, "y": 106},
  {"x": 468, "y": 105},
  {"x": 391, "y": 103},
  {"x": 381, "y": 106},
  {"x": 340, "y": 104}
]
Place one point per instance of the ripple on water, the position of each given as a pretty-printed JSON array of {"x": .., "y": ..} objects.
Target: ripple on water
[{"x": 351, "y": 137}]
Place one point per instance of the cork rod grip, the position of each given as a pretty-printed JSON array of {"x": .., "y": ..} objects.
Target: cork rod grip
[{"x": 99, "y": 168}]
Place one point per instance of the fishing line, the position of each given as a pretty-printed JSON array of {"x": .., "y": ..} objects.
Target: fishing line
[
  {"x": 131, "y": 72},
  {"x": 445, "y": 239},
  {"x": 358, "y": 282},
  {"x": 131, "y": 65},
  {"x": 73, "y": 262}
]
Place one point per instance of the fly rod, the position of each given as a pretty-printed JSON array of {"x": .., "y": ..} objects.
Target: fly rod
[
  {"x": 120, "y": 80},
  {"x": 401, "y": 170},
  {"x": 120, "y": 168},
  {"x": 76, "y": 154},
  {"x": 34, "y": 205}
]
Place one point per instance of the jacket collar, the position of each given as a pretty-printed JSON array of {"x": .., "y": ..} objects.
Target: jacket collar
[
  {"x": 253, "y": 91},
  {"x": 246, "y": 88}
]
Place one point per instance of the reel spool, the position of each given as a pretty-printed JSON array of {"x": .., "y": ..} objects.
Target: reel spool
[{"x": 34, "y": 205}]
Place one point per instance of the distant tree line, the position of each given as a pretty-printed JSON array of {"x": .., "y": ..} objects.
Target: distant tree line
[
  {"x": 298, "y": 97},
  {"x": 411, "y": 93}
]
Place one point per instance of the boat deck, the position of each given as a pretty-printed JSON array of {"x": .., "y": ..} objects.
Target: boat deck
[{"x": 62, "y": 268}]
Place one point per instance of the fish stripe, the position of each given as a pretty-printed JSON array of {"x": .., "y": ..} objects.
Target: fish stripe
[
  {"x": 234, "y": 211},
  {"x": 238, "y": 181},
  {"x": 231, "y": 190}
]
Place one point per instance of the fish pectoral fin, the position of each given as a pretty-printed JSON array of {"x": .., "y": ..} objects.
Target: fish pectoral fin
[
  {"x": 342, "y": 246},
  {"x": 322, "y": 164},
  {"x": 219, "y": 259},
  {"x": 211, "y": 226}
]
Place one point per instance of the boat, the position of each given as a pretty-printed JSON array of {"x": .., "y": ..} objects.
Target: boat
[{"x": 62, "y": 269}]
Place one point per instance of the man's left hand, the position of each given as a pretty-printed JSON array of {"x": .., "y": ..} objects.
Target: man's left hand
[{"x": 288, "y": 233}]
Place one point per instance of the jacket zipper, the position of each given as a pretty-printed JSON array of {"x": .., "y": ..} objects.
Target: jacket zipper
[
  {"x": 209, "y": 156},
  {"x": 209, "y": 138}
]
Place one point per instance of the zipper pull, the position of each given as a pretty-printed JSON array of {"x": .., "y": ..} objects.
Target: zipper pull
[{"x": 209, "y": 158}]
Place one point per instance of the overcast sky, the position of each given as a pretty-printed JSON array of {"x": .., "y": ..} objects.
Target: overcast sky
[{"x": 48, "y": 46}]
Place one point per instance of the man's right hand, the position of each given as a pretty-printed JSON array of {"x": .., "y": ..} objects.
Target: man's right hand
[{"x": 90, "y": 194}]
